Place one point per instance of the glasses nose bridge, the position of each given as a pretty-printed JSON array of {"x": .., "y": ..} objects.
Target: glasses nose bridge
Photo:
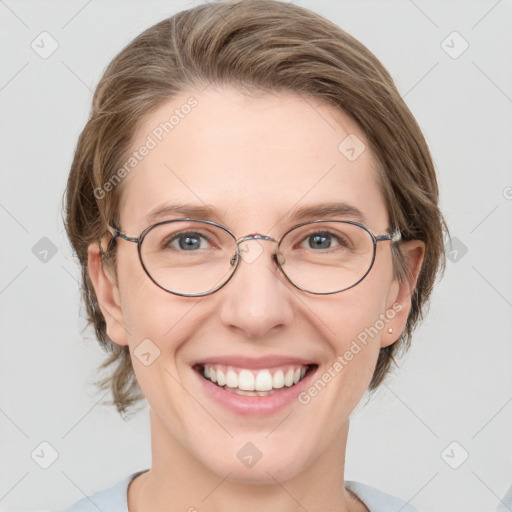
[{"x": 256, "y": 236}]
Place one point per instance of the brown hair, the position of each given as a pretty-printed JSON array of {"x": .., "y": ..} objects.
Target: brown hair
[{"x": 256, "y": 46}]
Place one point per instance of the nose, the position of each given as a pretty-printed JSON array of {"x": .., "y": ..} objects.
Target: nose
[{"x": 256, "y": 301}]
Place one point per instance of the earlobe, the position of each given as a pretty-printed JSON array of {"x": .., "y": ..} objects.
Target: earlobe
[
  {"x": 401, "y": 292},
  {"x": 107, "y": 293}
]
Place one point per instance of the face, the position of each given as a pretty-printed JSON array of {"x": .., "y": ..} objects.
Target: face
[{"x": 255, "y": 162}]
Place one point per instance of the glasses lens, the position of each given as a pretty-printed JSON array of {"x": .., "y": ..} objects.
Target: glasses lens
[
  {"x": 189, "y": 257},
  {"x": 326, "y": 256}
]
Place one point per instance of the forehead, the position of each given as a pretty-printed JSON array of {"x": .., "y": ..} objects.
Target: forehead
[{"x": 255, "y": 157}]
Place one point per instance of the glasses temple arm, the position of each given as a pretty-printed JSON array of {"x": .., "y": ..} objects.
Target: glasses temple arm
[
  {"x": 117, "y": 234},
  {"x": 396, "y": 236}
]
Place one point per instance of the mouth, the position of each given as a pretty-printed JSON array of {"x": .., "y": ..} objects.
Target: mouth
[{"x": 255, "y": 382}]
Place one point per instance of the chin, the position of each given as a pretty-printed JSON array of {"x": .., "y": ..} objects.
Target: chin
[{"x": 249, "y": 464}]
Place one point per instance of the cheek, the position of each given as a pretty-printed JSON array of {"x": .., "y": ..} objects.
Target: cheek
[
  {"x": 145, "y": 306},
  {"x": 353, "y": 323},
  {"x": 157, "y": 323},
  {"x": 352, "y": 328},
  {"x": 357, "y": 314},
  {"x": 355, "y": 332},
  {"x": 152, "y": 313}
]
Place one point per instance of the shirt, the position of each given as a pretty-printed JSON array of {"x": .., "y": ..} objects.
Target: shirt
[{"x": 115, "y": 499}]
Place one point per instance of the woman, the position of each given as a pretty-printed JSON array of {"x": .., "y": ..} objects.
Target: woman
[{"x": 255, "y": 213}]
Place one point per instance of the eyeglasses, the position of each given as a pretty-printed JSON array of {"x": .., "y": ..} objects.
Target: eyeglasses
[{"x": 192, "y": 258}]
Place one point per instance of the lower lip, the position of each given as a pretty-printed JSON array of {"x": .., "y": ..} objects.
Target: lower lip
[{"x": 255, "y": 405}]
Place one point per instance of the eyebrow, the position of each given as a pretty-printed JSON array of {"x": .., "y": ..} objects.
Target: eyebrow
[
  {"x": 340, "y": 210},
  {"x": 169, "y": 210}
]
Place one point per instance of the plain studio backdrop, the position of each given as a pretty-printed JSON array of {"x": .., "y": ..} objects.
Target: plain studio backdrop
[{"x": 438, "y": 432}]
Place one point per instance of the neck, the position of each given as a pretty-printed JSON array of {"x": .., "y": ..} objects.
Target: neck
[{"x": 179, "y": 482}]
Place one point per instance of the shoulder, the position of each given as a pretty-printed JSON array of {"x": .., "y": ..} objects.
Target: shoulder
[
  {"x": 378, "y": 501},
  {"x": 113, "y": 499}
]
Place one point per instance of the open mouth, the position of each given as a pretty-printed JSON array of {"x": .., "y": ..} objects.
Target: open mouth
[{"x": 251, "y": 382}]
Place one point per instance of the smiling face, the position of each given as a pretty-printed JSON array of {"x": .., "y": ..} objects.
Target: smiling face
[{"x": 255, "y": 162}]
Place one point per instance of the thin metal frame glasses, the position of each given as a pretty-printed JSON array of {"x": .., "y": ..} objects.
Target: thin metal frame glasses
[{"x": 312, "y": 268}]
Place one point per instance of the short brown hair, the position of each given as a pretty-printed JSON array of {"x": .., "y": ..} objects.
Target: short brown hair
[{"x": 256, "y": 46}]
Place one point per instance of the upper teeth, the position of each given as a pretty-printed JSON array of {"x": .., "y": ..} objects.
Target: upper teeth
[{"x": 254, "y": 380}]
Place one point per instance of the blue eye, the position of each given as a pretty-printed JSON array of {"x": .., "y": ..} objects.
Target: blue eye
[
  {"x": 319, "y": 241},
  {"x": 324, "y": 240},
  {"x": 187, "y": 241}
]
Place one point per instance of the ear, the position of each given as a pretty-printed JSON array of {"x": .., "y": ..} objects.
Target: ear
[
  {"x": 399, "y": 300},
  {"x": 107, "y": 293}
]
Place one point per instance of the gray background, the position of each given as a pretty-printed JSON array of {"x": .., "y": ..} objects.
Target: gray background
[{"x": 454, "y": 385}]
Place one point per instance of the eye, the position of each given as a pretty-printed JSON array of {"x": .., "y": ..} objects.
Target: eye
[
  {"x": 323, "y": 240},
  {"x": 186, "y": 241}
]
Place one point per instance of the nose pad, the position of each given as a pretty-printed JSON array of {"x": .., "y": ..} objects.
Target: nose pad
[{"x": 279, "y": 259}]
